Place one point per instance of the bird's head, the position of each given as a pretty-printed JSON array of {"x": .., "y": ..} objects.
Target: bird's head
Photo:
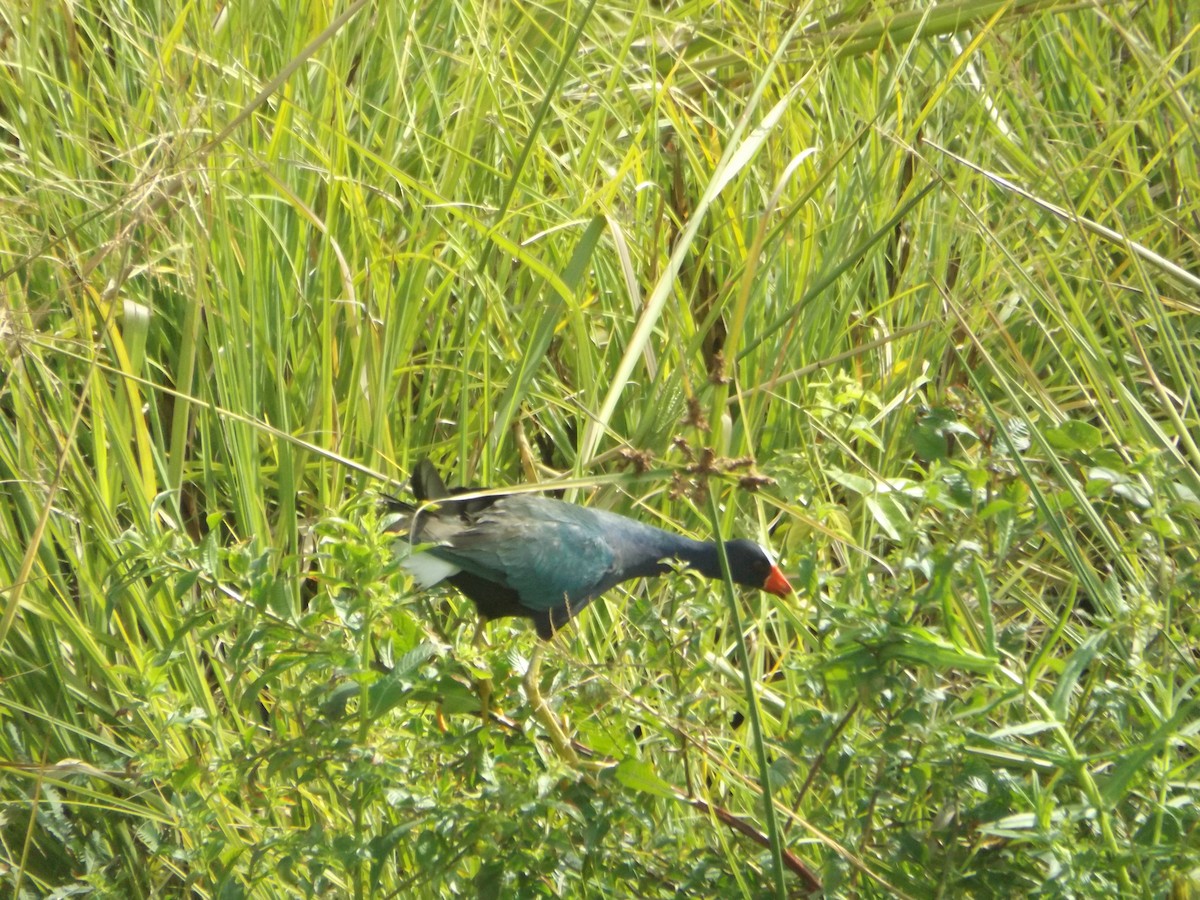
[{"x": 751, "y": 566}]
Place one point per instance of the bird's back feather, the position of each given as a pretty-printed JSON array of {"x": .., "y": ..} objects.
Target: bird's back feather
[{"x": 526, "y": 555}]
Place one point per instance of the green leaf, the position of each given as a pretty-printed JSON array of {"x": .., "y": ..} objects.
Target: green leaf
[
  {"x": 455, "y": 697},
  {"x": 386, "y": 694},
  {"x": 931, "y": 436},
  {"x": 334, "y": 705},
  {"x": 414, "y": 658},
  {"x": 640, "y": 776},
  {"x": 1023, "y": 729},
  {"x": 1134, "y": 761},
  {"x": 995, "y": 508},
  {"x": 1103, "y": 480},
  {"x": 888, "y": 514},
  {"x": 390, "y": 691},
  {"x": 1074, "y": 435},
  {"x": 856, "y": 483},
  {"x": 921, "y": 646},
  {"x": 184, "y": 583},
  {"x": 781, "y": 772},
  {"x": 1073, "y": 670}
]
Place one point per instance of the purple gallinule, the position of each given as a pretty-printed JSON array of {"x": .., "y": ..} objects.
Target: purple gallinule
[{"x": 545, "y": 560}]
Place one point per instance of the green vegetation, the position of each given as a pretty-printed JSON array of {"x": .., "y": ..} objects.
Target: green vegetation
[{"x": 934, "y": 268}]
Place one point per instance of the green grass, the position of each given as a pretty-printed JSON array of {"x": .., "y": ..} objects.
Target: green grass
[{"x": 934, "y": 269}]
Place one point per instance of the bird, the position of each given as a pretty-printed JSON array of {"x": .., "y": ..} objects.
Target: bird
[{"x": 544, "y": 559}]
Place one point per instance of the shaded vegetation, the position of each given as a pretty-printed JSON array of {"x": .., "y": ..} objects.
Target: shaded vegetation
[{"x": 907, "y": 292}]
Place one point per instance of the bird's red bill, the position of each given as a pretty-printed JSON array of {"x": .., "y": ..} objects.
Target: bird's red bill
[{"x": 776, "y": 583}]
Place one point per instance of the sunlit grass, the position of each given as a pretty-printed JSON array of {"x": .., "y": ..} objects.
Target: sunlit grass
[{"x": 933, "y": 270}]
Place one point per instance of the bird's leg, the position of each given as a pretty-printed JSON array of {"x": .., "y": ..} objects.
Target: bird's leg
[
  {"x": 542, "y": 712},
  {"x": 484, "y": 684},
  {"x": 481, "y": 639}
]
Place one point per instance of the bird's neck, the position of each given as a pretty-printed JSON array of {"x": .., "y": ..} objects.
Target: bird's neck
[
  {"x": 643, "y": 551},
  {"x": 702, "y": 556},
  {"x": 662, "y": 551}
]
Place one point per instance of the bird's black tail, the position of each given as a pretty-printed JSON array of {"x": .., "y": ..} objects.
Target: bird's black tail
[{"x": 427, "y": 484}]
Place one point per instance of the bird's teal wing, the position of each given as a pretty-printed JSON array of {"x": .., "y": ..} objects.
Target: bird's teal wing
[{"x": 542, "y": 549}]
